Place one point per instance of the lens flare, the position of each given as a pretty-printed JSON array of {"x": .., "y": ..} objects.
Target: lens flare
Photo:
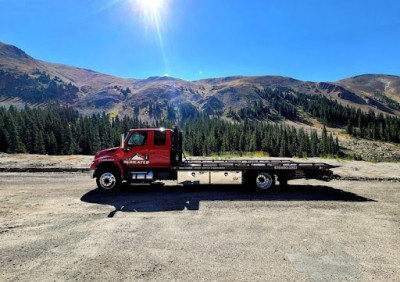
[{"x": 152, "y": 13}]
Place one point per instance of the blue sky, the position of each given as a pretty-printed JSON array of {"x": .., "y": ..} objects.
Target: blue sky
[{"x": 317, "y": 40}]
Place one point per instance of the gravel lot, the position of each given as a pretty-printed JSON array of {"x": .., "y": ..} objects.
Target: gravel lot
[{"x": 57, "y": 226}]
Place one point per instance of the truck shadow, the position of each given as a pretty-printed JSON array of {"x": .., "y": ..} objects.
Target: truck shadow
[{"x": 178, "y": 198}]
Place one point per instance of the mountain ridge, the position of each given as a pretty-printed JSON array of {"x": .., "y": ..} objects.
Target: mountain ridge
[{"x": 24, "y": 79}]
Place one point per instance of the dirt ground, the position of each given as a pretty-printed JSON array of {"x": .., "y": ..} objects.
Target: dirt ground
[{"x": 58, "y": 226}]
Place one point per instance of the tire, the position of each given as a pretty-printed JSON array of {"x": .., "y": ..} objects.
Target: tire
[
  {"x": 264, "y": 181},
  {"x": 108, "y": 179}
]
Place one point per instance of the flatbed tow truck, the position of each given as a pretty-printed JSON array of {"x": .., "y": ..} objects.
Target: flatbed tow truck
[{"x": 155, "y": 154}]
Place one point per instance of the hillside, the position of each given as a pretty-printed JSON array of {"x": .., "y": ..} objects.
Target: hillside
[{"x": 24, "y": 79}]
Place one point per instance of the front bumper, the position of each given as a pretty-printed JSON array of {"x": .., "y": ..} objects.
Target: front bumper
[{"x": 91, "y": 173}]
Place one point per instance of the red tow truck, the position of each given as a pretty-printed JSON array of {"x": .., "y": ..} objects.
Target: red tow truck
[{"x": 148, "y": 155}]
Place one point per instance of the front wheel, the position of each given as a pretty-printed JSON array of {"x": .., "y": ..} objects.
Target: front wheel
[
  {"x": 108, "y": 180},
  {"x": 265, "y": 181}
]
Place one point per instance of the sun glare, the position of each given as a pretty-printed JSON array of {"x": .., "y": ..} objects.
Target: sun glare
[
  {"x": 151, "y": 6},
  {"x": 153, "y": 14}
]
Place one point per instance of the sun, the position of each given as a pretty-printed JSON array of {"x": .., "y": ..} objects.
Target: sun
[
  {"x": 151, "y": 6},
  {"x": 153, "y": 13}
]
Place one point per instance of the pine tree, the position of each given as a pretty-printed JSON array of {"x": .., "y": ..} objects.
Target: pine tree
[
  {"x": 282, "y": 149},
  {"x": 349, "y": 127},
  {"x": 314, "y": 144},
  {"x": 38, "y": 143},
  {"x": 3, "y": 139},
  {"x": 14, "y": 141},
  {"x": 51, "y": 147},
  {"x": 323, "y": 145}
]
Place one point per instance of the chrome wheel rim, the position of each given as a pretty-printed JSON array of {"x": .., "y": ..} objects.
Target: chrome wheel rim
[
  {"x": 264, "y": 181},
  {"x": 107, "y": 180}
]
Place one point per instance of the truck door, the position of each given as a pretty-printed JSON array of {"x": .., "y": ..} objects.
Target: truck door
[{"x": 137, "y": 154}]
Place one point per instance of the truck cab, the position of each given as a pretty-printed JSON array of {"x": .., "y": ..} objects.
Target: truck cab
[
  {"x": 145, "y": 155},
  {"x": 147, "y": 147}
]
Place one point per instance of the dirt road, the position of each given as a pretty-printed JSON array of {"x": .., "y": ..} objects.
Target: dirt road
[{"x": 57, "y": 226}]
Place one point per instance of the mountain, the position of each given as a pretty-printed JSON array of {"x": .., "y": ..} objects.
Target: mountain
[{"x": 24, "y": 79}]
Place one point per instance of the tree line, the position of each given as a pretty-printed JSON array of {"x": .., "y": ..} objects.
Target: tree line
[
  {"x": 59, "y": 130},
  {"x": 206, "y": 135},
  {"x": 62, "y": 130}
]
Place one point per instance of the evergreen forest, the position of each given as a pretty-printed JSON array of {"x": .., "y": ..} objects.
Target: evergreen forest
[{"x": 59, "y": 130}]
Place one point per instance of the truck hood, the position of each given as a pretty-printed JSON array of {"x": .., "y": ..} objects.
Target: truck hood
[{"x": 110, "y": 152}]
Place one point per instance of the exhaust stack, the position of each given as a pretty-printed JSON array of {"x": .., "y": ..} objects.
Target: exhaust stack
[{"x": 122, "y": 140}]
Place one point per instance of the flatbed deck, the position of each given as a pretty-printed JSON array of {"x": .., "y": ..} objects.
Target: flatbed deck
[{"x": 251, "y": 164}]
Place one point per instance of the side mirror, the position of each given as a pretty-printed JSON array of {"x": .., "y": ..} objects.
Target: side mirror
[{"x": 122, "y": 141}]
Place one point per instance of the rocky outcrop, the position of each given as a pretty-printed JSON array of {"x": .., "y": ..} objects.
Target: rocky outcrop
[{"x": 371, "y": 150}]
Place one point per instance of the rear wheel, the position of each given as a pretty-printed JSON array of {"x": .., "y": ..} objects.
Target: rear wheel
[
  {"x": 262, "y": 181},
  {"x": 108, "y": 179}
]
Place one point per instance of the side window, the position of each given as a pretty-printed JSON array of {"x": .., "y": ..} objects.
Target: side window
[
  {"x": 138, "y": 139},
  {"x": 160, "y": 138}
]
